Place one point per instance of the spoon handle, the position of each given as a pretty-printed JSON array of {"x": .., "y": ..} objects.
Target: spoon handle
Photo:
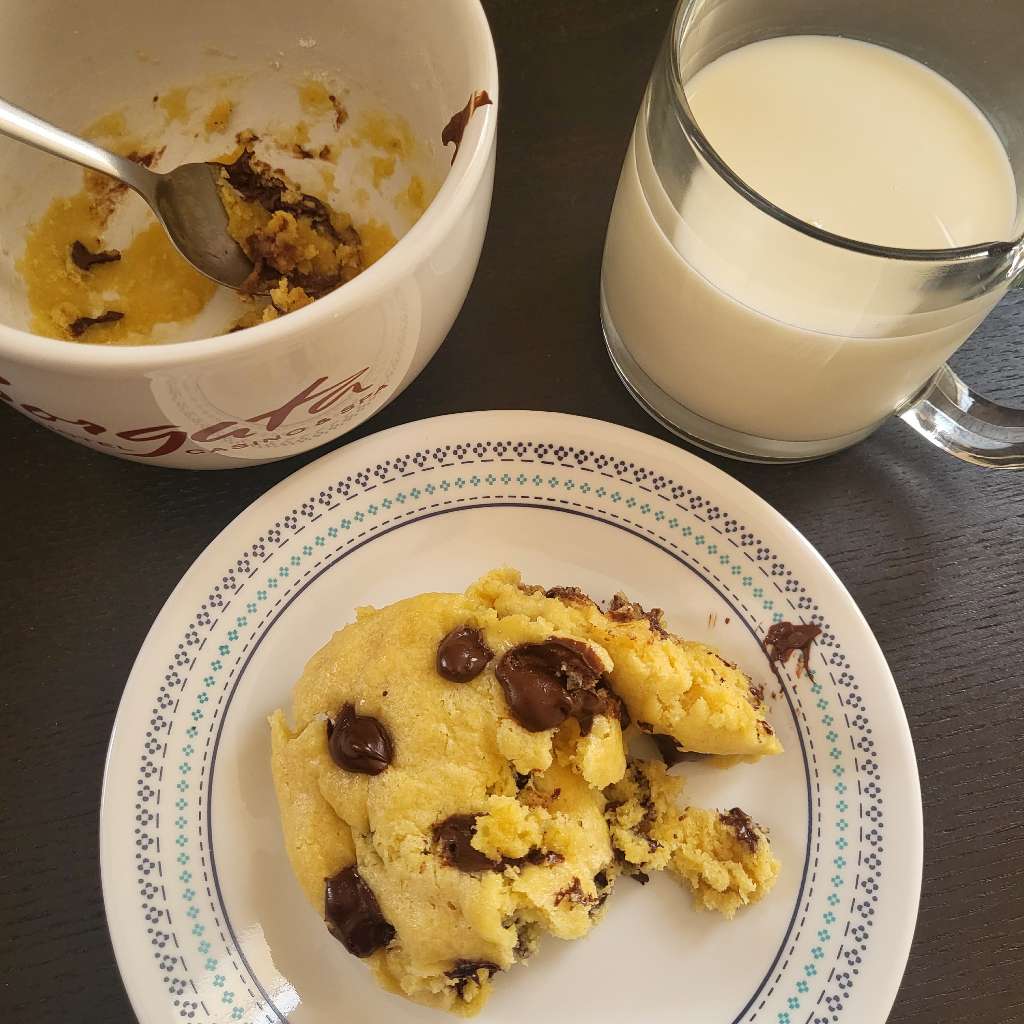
[{"x": 25, "y": 127}]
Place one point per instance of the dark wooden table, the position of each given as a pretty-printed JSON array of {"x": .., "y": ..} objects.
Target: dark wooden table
[{"x": 931, "y": 549}]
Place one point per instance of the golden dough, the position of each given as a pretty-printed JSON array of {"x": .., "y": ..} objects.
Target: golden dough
[{"x": 472, "y": 829}]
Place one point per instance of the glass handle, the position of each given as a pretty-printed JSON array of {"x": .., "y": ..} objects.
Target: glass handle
[{"x": 950, "y": 415}]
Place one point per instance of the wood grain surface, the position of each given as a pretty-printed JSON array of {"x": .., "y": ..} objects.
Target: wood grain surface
[{"x": 931, "y": 549}]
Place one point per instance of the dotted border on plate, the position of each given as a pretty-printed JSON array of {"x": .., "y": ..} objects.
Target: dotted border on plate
[{"x": 731, "y": 550}]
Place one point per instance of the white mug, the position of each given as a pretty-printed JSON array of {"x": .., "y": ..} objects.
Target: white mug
[{"x": 283, "y": 387}]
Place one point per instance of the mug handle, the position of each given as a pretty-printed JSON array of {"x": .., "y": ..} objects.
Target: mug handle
[
  {"x": 958, "y": 420},
  {"x": 962, "y": 422}
]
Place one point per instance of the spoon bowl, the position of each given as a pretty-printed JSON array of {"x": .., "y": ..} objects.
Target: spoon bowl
[{"x": 187, "y": 203}]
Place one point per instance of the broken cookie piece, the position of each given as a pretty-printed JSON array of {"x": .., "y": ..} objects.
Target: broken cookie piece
[
  {"x": 724, "y": 858},
  {"x": 455, "y": 768},
  {"x": 679, "y": 688}
]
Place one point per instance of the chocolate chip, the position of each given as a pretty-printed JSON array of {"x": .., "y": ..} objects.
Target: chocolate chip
[
  {"x": 536, "y": 695},
  {"x": 640, "y": 876},
  {"x": 744, "y": 828},
  {"x": 538, "y": 858},
  {"x": 359, "y": 743},
  {"x": 588, "y": 704},
  {"x": 601, "y": 879},
  {"x": 544, "y": 683},
  {"x": 522, "y": 781},
  {"x": 574, "y": 894},
  {"x": 468, "y": 970},
  {"x": 456, "y": 127},
  {"x": 462, "y": 655},
  {"x": 783, "y": 638},
  {"x": 453, "y": 836},
  {"x": 86, "y": 260},
  {"x": 78, "y": 327},
  {"x": 622, "y": 609},
  {"x": 353, "y": 914}
]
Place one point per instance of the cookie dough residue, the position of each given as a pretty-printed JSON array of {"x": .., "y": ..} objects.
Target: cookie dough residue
[
  {"x": 93, "y": 277},
  {"x": 301, "y": 249},
  {"x": 378, "y": 239},
  {"x": 316, "y": 99},
  {"x": 73, "y": 299},
  {"x": 216, "y": 121},
  {"x": 175, "y": 105}
]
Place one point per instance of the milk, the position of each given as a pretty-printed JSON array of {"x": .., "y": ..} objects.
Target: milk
[{"x": 748, "y": 323}]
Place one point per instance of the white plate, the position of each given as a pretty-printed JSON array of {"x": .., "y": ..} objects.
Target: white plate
[{"x": 208, "y": 923}]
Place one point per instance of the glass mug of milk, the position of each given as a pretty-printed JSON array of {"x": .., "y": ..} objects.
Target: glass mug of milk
[{"x": 819, "y": 204}]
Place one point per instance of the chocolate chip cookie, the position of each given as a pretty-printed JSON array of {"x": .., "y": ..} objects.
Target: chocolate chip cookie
[{"x": 454, "y": 782}]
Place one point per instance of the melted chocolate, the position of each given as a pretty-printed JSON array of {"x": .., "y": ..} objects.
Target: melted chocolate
[
  {"x": 270, "y": 192},
  {"x": 574, "y": 894},
  {"x": 624, "y": 719},
  {"x": 671, "y": 752},
  {"x": 538, "y": 858},
  {"x": 456, "y": 126},
  {"x": 86, "y": 260},
  {"x": 359, "y": 743},
  {"x": 467, "y": 970},
  {"x": 462, "y": 655},
  {"x": 786, "y": 637},
  {"x": 453, "y": 836},
  {"x": 570, "y": 595},
  {"x": 78, "y": 327},
  {"x": 586, "y": 706},
  {"x": 624, "y": 610},
  {"x": 545, "y": 683},
  {"x": 273, "y": 194},
  {"x": 744, "y": 828},
  {"x": 353, "y": 914}
]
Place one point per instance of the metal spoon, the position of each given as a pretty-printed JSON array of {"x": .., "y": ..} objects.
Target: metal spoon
[{"x": 185, "y": 200}]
